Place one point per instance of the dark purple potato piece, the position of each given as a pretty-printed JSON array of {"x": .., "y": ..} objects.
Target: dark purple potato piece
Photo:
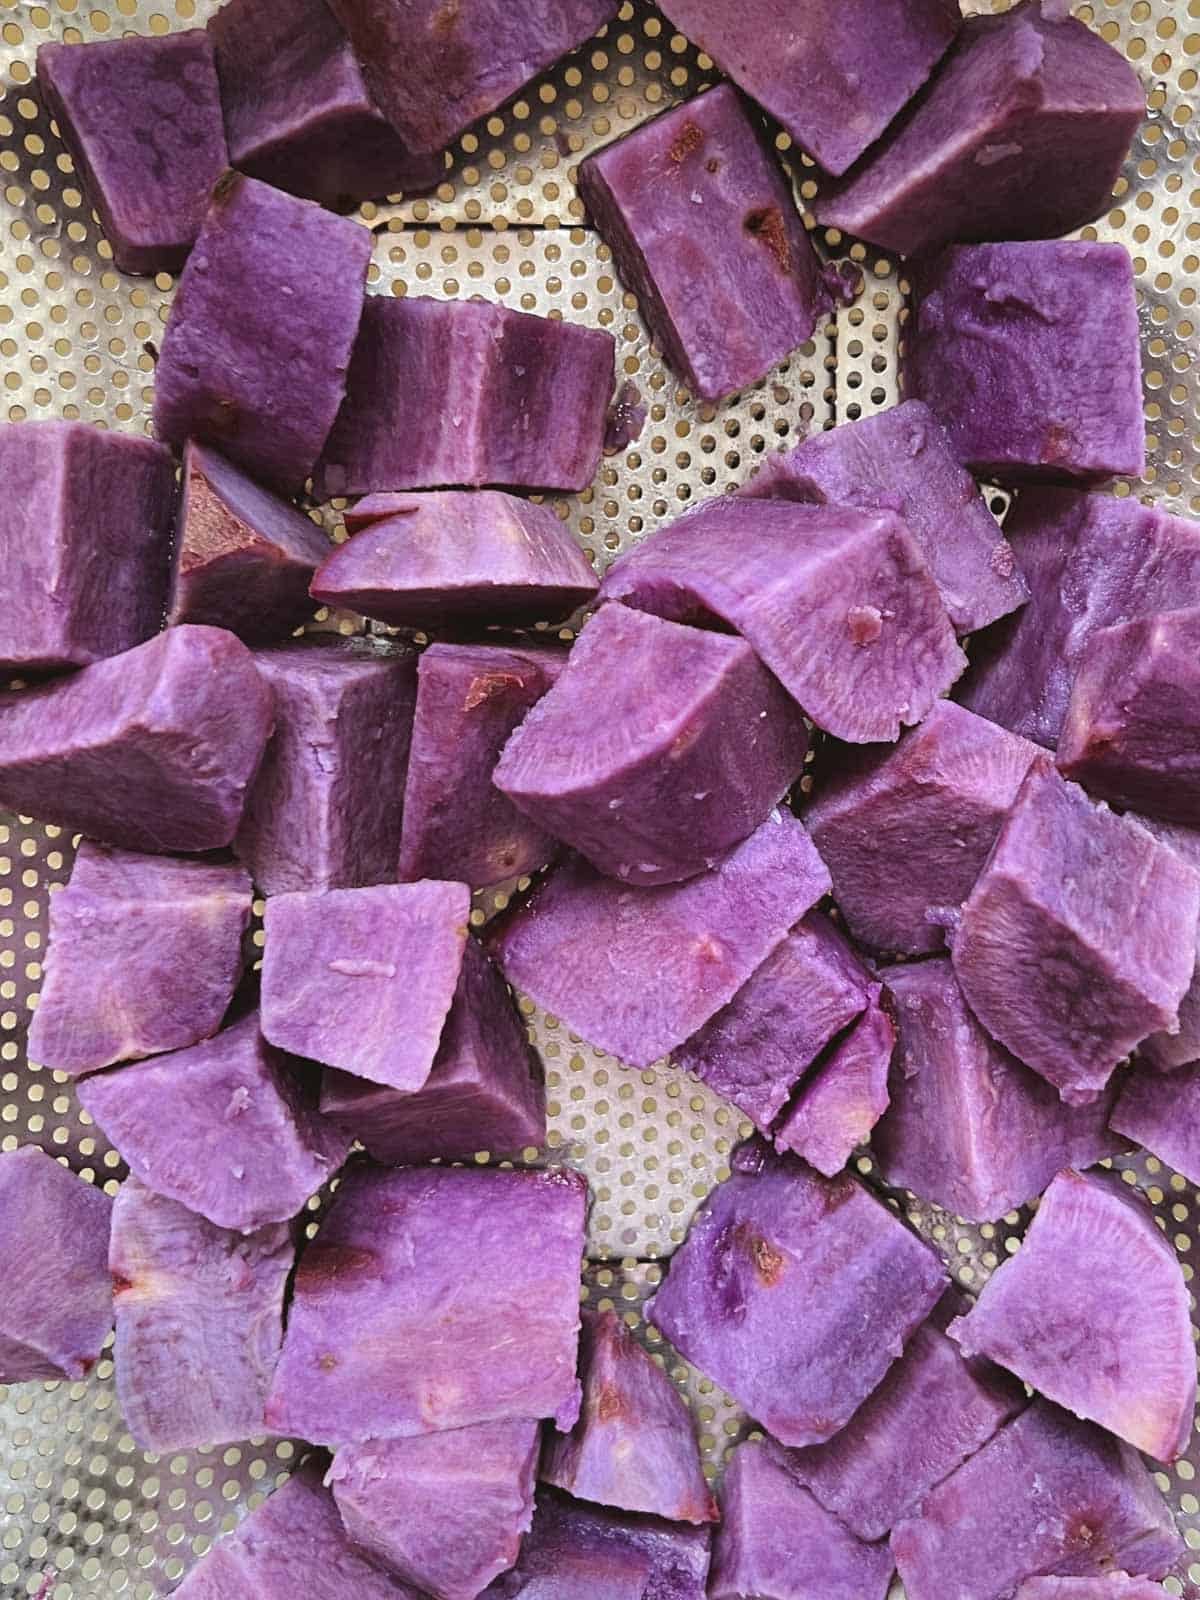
[
  {"x": 1111, "y": 1586},
  {"x": 142, "y": 120},
  {"x": 258, "y": 343},
  {"x": 633, "y": 1447},
  {"x": 459, "y": 558},
  {"x": 795, "y": 1293},
  {"x": 1079, "y": 937},
  {"x": 935, "y": 803},
  {"x": 1022, "y": 136},
  {"x": 1161, "y": 1112},
  {"x": 57, "y": 1307},
  {"x": 199, "y": 1321},
  {"x": 150, "y": 750},
  {"x": 838, "y": 603},
  {"x": 1028, "y": 355},
  {"x": 362, "y": 979},
  {"x": 1166, "y": 1051},
  {"x": 359, "y": 1361},
  {"x": 673, "y": 956},
  {"x": 658, "y": 750},
  {"x": 85, "y": 526},
  {"x": 446, "y": 392},
  {"x": 844, "y": 1095},
  {"x": 144, "y": 956},
  {"x": 325, "y": 810},
  {"x": 900, "y": 461}
]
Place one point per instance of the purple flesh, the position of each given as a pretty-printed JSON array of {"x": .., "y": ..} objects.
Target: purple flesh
[
  {"x": 389, "y": 503},
  {"x": 625, "y": 421},
  {"x": 1112, "y": 1586},
  {"x": 1161, "y": 1111},
  {"x": 1165, "y": 1051}
]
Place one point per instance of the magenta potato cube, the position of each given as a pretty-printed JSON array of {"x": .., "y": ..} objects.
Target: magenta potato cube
[
  {"x": 1110, "y": 1586},
  {"x": 462, "y": 392},
  {"x": 1166, "y": 1051},
  {"x": 258, "y": 343},
  {"x": 343, "y": 709},
  {"x": 142, "y": 120},
  {"x": 1028, "y": 355},
  {"x": 673, "y": 955},
  {"x": 152, "y": 750},
  {"x": 362, "y": 979},
  {"x": 54, "y": 1259},
  {"x": 844, "y": 1095},
  {"x": 795, "y": 1293},
  {"x": 697, "y": 743},
  {"x": 358, "y": 1361},
  {"x": 1161, "y": 1112}
]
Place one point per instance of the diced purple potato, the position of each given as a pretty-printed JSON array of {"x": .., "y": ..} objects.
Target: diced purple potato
[
  {"x": 325, "y": 809},
  {"x": 443, "y": 1511},
  {"x": 141, "y": 117},
  {"x": 705, "y": 232},
  {"x": 837, "y": 602},
  {"x": 795, "y": 1293},
  {"x": 1161, "y": 1111},
  {"x": 1166, "y": 1051},
  {"x": 57, "y": 1307},
  {"x": 358, "y": 1361},
  {"x": 144, "y": 956},
  {"x": 85, "y": 525},
  {"x": 199, "y": 1321},
  {"x": 633, "y": 1447},
  {"x": 695, "y": 745},
  {"x": 969, "y": 1126},
  {"x": 844, "y": 1095},
  {"x": 1022, "y": 135},
  {"x": 362, "y": 979},
  {"x": 151, "y": 750},
  {"x": 258, "y": 343},
  {"x": 901, "y": 461},
  {"x": 1079, "y": 937},
  {"x": 625, "y": 421},
  {"x": 757, "y": 1049},
  {"x": 1110, "y": 1586},
  {"x": 1048, "y": 1491},
  {"x": 673, "y": 956},
  {"x": 1028, "y": 354},
  {"x": 458, "y": 558},
  {"x": 775, "y": 1539}
]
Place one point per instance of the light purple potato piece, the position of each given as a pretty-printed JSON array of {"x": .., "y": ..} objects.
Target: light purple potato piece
[
  {"x": 659, "y": 748},
  {"x": 1028, "y": 355},
  {"x": 1161, "y": 1112},
  {"x": 326, "y": 806},
  {"x": 57, "y": 1308},
  {"x": 837, "y": 602},
  {"x": 844, "y": 1095},
  {"x": 199, "y": 1321},
  {"x": 258, "y": 343},
  {"x": 1166, "y": 1051},
  {"x": 795, "y": 1293},
  {"x": 362, "y": 1359},
  {"x": 150, "y": 750},
  {"x": 673, "y": 956},
  {"x": 141, "y": 117},
  {"x": 1111, "y": 1586}
]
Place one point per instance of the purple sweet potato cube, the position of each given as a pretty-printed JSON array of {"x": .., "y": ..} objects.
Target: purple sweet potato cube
[
  {"x": 258, "y": 344},
  {"x": 795, "y": 1293},
  {"x": 838, "y": 603},
  {"x": 705, "y": 232},
  {"x": 844, "y": 1095},
  {"x": 1166, "y": 1051},
  {"x": 1109, "y": 1586},
  {"x": 1028, "y": 355},
  {"x": 673, "y": 956},
  {"x": 54, "y": 1259},
  {"x": 362, "y": 979},
  {"x": 1021, "y": 136},
  {"x": 85, "y": 527},
  {"x": 1093, "y": 1312},
  {"x": 361, "y": 1361},
  {"x": 1161, "y": 1112},
  {"x": 695, "y": 745},
  {"x": 463, "y": 392},
  {"x": 1079, "y": 937},
  {"x": 325, "y": 809},
  {"x": 141, "y": 117},
  {"x": 199, "y": 1321}
]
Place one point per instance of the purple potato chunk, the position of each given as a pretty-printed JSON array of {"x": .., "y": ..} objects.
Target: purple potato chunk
[
  {"x": 1161, "y": 1111},
  {"x": 795, "y": 1293},
  {"x": 1110, "y": 1586},
  {"x": 659, "y": 748},
  {"x": 237, "y": 372},
  {"x": 673, "y": 956},
  {"x": 142, "y": 120},
  {"x": 150, "y": 750},
  {"x": 144, "y": 956},
  {"x": 1028, "y": 355},
  {"x": 1166, "y": 1051},
  {"x": 199, "y": 1321},
  {"x": 359, "y": 1361}
]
